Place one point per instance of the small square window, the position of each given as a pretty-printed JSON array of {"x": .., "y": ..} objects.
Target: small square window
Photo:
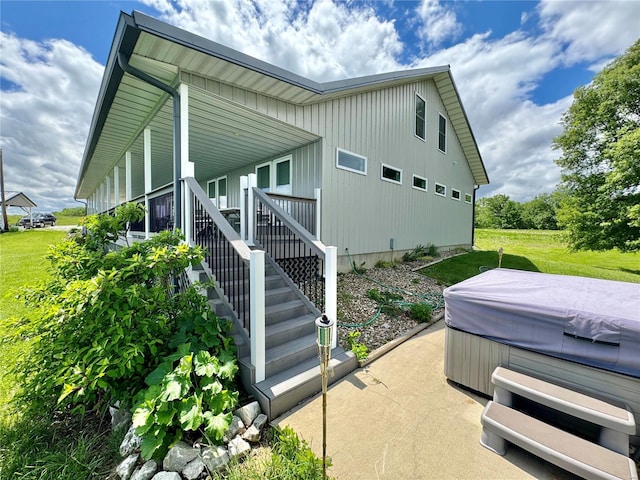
[
  {"x": 440, "y": 190},
  {"x": 391, "y": 174},
  {"x": 468, "y": 198},
  {"x": 442, "y": 134},
  {"x": 351, "y": 162},
  {"x": 419, "y": 183},
  {"x": 421, "y": 124},
  {"x": 455, "y": 194}
]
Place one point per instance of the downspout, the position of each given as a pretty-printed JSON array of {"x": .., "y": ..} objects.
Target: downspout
[
  {"x": 145, "y": 77},
  {"x": 473, "y": 217}
]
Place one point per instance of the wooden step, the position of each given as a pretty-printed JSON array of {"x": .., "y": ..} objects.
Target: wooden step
[{"x": 575, "y": 454}]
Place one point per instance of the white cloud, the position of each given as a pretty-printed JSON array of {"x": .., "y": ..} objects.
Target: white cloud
[
  {"x": 591, "y": 30},
  {"x": 45, "y": 116},
  {"x": 439, "y": 23},
  {"x": 326, "y": 42}
]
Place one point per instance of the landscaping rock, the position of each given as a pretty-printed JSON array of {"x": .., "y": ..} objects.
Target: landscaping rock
[
  {"x": 130, "y": 443},
  {"x": 260, "y": 421},
  {"x": 146, "y": 471},
  {"x": 179, "y": 456},
  {"x": 236, "y": 426},
  {"x": 215, "y": 458},
  {"x": 193, "y": 469},
  {"x": 248, "y": 413},
  {"x": 252, "y": 434},
  {"x": 125, "y": 468},
  {"x": 238, "y": 447},
  {"x": 166, "y": 476},
  {"x": 119, "y": 418}
]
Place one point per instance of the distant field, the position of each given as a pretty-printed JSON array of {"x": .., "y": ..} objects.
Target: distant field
[{"x": 536, "y": 250}]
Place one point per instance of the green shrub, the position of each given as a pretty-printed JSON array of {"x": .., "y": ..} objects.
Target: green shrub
[
  {"x": 191, "y": 390},
  {"x": 421, "y": 252},
  {"x": 387, "y": 301},
  {"x": 421, "y": 312},
  {"x": 104, "y": 318},
  {"x": 360, "y": 350}
]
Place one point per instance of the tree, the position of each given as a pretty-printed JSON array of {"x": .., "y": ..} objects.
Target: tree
[
  {"x": 540, "y": 213},
  {"x": 600, "y": 159},
  {"x": 498, "y": 211}
]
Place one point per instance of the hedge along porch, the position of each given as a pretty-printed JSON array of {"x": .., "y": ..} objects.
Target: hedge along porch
[{"x": 203, "y": 134}]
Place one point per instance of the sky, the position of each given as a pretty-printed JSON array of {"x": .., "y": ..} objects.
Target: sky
[{"x": 516, "y": 65}]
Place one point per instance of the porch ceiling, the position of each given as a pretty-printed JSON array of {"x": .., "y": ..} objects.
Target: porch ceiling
[{"x": 223, "y": 136}]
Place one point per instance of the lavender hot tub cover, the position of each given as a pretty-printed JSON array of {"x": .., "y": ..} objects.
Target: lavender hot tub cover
[{"x": 586, "y": 320}]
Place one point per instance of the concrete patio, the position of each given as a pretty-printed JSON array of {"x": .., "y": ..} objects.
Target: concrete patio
[{"x": 399, "y": 418}]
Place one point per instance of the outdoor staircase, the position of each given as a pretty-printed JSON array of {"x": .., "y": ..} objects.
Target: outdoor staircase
[{"x": 292, "y": 367}]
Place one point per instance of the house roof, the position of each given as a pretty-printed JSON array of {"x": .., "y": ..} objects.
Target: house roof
[
  {"x": 126, "y": 105},
  {"x": 19, "y": 199}
]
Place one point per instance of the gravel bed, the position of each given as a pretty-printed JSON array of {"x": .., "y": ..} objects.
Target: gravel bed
[{"x": 355, "y": 308}]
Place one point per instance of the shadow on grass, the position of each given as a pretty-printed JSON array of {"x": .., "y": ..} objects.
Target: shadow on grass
[{"x": 456, "y": 269}]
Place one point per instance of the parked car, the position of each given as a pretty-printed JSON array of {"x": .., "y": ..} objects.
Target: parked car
[
  {"x": 39, "y": 220},
  {"x": 47, "y": 219}
]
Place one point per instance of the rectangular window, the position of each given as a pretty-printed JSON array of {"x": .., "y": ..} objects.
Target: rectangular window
[
  {"x": 275, "y": 176},
  {"x": 351, "y": 162},
  {"x": 263, "y": 173},
  {"x": 442, "y": 134},
  {"x": 419, "y": 183},
  {"x": 440, "y": 190},
  {"x": 421, "y": 124},
  {"x": 468, "y": 198},
  {"x": 391, "y": 174},
  {"x": 455, "y": 194},
  {"x": 217, "y": 190}
]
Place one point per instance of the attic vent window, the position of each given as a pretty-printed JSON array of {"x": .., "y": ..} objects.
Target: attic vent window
[
  {"x": 441, "y": 190},
  {"x": 442, "y": 134},
  {"x": 455, "y": 194},
  {"x": 421, "y": 124},
  {"x": 351, "y": 162},
  {"x": 391, "y": 174},
  {"x": 467, "y": 198},
  {"x": 419, "y": 183}
]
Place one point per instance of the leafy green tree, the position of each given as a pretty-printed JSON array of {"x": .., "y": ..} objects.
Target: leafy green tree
[
  {"x": 71, "y": 212},
  {"x": 540, "y": 213},
  {"x": 600, "y": 159},
  {"x": 498, "y": 211}
]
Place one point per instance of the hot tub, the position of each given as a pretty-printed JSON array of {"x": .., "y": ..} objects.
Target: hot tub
[{"x": 578, "y": 331}]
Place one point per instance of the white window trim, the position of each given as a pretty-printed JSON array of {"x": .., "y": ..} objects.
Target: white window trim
[
  {"x": 446, "y": 133},
  {"x": 415, "y": 116},
  {"x": 459, "y": 193},
  {"x": 384, "y": 179},
  {"x": 426, "y": 183},
  {"x": 217, "y": 203},
  {"x": 353, "y": 170},
  {"x": 273, "y": 165},
  {"x": 435, "y": 189},
  {"x": 470, "y": 198}
]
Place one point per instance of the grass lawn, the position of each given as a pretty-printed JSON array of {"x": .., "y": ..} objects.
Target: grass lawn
[
  {"x": 22, "y": 262},
  {"x": 537, "y": 251}
]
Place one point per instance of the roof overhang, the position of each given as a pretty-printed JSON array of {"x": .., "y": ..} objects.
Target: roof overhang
[
  {"x": 221, "y": 133},
  {"x": 19, "y": 199}
]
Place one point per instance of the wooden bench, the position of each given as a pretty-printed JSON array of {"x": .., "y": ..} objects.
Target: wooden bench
[
  {"x": 503, "y": 424},
  {"x": 616, "y": 421}
]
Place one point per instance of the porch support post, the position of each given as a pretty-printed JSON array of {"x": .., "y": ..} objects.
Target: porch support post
[
  {"x": 148, "y": 185},
  {"x": 102, "y": 209},
  {"x": 331, "y": 290},
  {"x": 127, "y": 176},
  {"x": 257, "y": 312},
  {"x": 244, "y": 183},
  {"x": 187, "y": 168},
  {"x": 108, "y": 192},
  {"x": 116, "y": 185},
  {"x": 251, "y": 210},
  {"x": 187, "y": 218},
  {"x": 317, "y": 193}
]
